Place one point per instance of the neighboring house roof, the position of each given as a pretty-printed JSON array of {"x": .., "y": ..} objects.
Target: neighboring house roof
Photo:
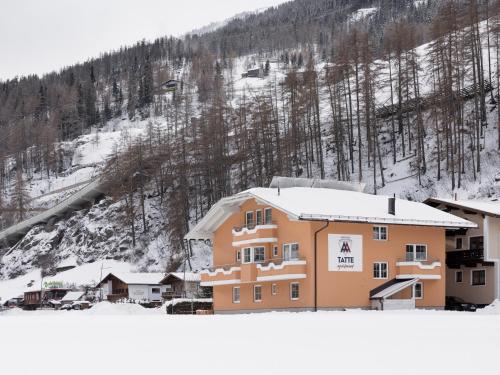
[
  {"x": 184, "y": 276},
  {"x": 73, "y": 296},
  {"x": 491, "y": 208},
  {"x": 136, "y": 278},
  {"x": 320, "y": 204}
]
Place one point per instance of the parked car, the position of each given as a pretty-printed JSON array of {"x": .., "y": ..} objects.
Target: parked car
[{"x": 458, "y": 304}]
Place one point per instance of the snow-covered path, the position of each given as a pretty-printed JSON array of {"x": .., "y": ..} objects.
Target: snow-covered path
[{"x": 108, "y": 341}]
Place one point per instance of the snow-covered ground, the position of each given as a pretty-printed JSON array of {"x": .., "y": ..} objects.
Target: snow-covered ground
[{"x": 126, "y": 339}]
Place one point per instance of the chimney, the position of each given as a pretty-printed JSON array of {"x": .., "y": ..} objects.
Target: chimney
[{"x": 392, "y": 205}]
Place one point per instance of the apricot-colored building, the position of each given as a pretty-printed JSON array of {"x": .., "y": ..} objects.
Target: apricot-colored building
[{"x": 301, "y": 248}]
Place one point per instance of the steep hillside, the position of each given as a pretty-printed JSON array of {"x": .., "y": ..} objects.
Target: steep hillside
[{"x": 311, "y": 111}]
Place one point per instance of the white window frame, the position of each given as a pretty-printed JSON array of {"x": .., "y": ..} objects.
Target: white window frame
[
  {"x": 254, "y": 294},
  {"x": 238, "y": 255},
  {"x": 377, "y": 230},
  {"x": 274, "y": 289},
  {"x": 291, "y": 291},
  {"x": 243, "y": 259},
  {"x": 462, "y": 278},
  {"x": 289, "y": 245},
  {"x": 421, "y": 290},
  {"x": 247, "y": 223},
  {"x": 239, "y": 294},
  {"x": 472, "y": 277},
  {"x": 380, "y": 271},
  {"x": 266, "y": 210},
  {"x": 275, "y": 251},
  {"x": 257, "y": 212},
  {"x": 414, "y": 245},
  {"x": 263, "y": 253}
]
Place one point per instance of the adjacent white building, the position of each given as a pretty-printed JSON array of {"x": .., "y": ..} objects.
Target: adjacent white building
[{"x": 473, "y": 254}]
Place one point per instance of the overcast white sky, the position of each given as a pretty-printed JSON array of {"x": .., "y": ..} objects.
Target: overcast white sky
[{"x": 39, "y": 36}]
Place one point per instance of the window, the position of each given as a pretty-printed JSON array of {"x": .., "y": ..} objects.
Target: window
[
  {"x": 155, "y": 290},
  {"x": 258, "y": 216},
  {"x": 380, "y": 270},
  {"x": 478, "y": 277},
  {"x": 249, "y": 222},
  {"x": 274, "y": 289},
  {"x": 268, "y": 216},
  {"x": 238, "y": 256},
  {"x": 257, "y": 293},
  {"x": 418, "y": 291},
  {"x": 459, "y": 243},
  {"x": 459, "y": 276},
  {"x": 380, "y": 233},
  {"x": 291, "y": 251},
  {"x": 476, "y": 243},
  {"x": 275, "y": 251},
  {"x": 416, "y": 253},
  {"x": 294, "y": 291},
  {"x": 236, "y": 294},
  {"x": 247, "y": 255},
  {"x": 258, "y": 254}
]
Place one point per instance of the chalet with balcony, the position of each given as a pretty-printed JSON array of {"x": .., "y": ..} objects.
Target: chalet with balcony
[
  {"x": 141, "y": 287},
  {"x": 309, "y": 245},
  {"x": 472, "y": 254}
]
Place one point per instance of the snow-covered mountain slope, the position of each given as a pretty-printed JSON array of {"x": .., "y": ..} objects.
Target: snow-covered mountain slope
[{"x": 99, "y": 232}]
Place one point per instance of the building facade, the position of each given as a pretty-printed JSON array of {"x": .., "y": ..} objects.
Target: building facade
[
  {"x": 473, "y": 254},
  {"x": 314, "y": 248}
]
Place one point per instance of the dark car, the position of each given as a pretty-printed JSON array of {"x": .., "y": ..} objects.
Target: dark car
[{"x": 458, "y": 304}]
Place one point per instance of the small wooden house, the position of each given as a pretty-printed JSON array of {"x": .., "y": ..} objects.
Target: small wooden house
[
  {"x": 51, "y": 297},
  {"x": 140, "y": 286},
  {"x": 182, "y": 285}
]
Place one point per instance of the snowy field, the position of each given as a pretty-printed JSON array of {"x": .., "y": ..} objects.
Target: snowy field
[{"x": 126, "y": 339}]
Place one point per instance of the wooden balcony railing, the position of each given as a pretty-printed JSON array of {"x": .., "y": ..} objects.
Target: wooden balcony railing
[{"x": 464, "y": 257}]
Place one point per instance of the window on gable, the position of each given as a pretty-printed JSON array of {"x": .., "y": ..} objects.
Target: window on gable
[
  {"x": 249, "y": 220},
  {"x": 268, "y": 216},
  {"x": 459, "y": 243},
  {"x": 258, "y": 215}
]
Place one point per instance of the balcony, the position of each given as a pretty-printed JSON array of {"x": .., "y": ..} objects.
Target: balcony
[
  {"x": 255, "y": 234},
  {"x": 221, "y": 275},
  {"x": 423, "y": 270},
  {"x": 281, "y": 269},
  {"x": 464, "y": 257},
  {"x": 270, "y": 270}
]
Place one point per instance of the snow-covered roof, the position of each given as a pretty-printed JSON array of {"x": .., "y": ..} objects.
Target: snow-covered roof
[
  {"x": 185, "y": 276},
  {"x": 486, "y": 207},
  {"x": 302, "y": 203},
  {"x": 138, "y": 278},
  {"x": 73, "y": 296}
]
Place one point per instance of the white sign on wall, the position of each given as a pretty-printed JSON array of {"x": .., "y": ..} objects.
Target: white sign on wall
[{"x": 345, "y": 253}]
